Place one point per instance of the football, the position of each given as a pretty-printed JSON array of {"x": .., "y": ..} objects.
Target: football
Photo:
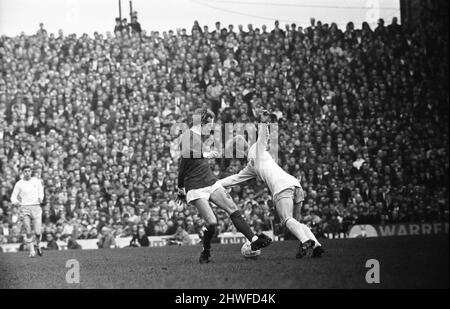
[{"x": 247, "y": 252}]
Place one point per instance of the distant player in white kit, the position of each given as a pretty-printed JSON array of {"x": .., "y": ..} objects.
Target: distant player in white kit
[
  {"x": 28, "y": 193},
  {"x": 286, "y": 189}
]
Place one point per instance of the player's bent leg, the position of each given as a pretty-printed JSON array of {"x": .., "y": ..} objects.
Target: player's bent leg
[
  {"x": 285, "y": 209},
  {"x": 205, "y": 211},
  {"x": 209, "y": 230},
  {"x": 224, "y": 201}
]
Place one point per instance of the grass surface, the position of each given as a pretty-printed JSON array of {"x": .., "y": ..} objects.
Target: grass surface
[{"x": 405, "y": 262}]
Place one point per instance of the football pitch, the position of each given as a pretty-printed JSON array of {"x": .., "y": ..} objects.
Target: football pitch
[{"x": 405, "y": 262}]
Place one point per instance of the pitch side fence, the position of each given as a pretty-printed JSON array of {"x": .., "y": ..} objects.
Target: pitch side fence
[{"x": 357, "y": 231}]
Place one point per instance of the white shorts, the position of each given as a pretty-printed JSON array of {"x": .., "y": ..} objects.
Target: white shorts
[
  {"x": 205, "y": 193},
  {"x": 295, "y": 193},
  {"x": 31, "y": 215}
]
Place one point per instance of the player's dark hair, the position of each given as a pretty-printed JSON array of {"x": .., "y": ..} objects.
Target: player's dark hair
[
  {"x": 204, "y": 113},
  {"x": 24, "y": 167}
]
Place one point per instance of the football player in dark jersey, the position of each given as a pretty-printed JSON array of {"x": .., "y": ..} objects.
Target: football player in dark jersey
[{"x": 198, "y": 185}]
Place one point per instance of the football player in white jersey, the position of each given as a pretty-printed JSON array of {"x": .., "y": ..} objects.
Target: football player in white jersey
[
  {"x": 286, "y": 189},
  {"x": 28, "y": 193}
]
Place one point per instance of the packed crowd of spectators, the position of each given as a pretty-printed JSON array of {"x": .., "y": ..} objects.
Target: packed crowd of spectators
[{"x": 363, "y": 118}]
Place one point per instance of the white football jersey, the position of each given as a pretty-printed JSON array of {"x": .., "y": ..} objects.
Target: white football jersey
[
  {"x": 28, "y": 192},
  {"x": 261, "y": 165}
]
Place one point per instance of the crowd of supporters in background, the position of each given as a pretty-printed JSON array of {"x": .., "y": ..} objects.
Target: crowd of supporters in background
[{"x": 363, "y": 118}]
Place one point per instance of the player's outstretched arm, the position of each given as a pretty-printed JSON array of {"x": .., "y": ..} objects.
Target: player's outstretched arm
[
  {"x": 263, "y": 133},
  {"x": 246, "y": 174}
]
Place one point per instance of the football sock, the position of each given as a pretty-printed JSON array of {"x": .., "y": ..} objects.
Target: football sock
[
  {"x": 296, "y": 228},
  {"x": 29, "y": 244},
  {"x": 38, "y": 239},
  {"x": 310, "y": 235},
  {"x": 208, "y": 234},
  {"x": 241, "y": 225}
]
